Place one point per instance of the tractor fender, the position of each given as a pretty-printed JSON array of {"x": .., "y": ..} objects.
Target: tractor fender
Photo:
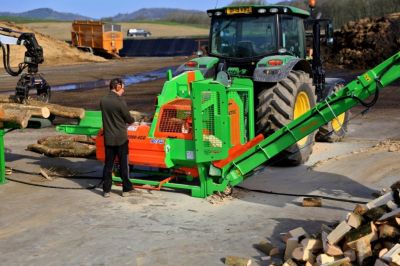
[
  {"x": 206, "y": 64},
  {"x": 266, "y": 73}
]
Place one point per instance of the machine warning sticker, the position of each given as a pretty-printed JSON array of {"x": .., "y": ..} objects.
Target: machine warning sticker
[
  {"x": 190, "y": 155},
  {"x": 367, "y": 77},
  {"x": 157, "y": 141}
]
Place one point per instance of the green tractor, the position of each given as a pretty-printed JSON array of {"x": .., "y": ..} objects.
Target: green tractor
[{"x": 267, "y": 44}]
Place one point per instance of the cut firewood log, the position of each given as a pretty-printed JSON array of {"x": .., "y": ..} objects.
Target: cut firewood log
[
  {"x": 17, "y": 117},
  {"x": 375, "y": 213},
  {"x": 380, "y": 262},
  {"x": 329, "y": 249},
  {"x": 388, "y": 231},
  {"x": 393, "y": 255},
  {"x": 237, "y": 261},
  {"x": 75, "y": 150},
  {"x": 59, "y": 110},
  {"x": 311, "y": 244},
  {"x": 351, "y": 254},
  {"x": 296, "y": 233},
  {"x": 382, "y": 252},
  {"x": 291, "y": 244},
  {"x": 139, "y": 116},
  {"x": 382, "y": 200},
  {"x": 289, "y": 262},
  {"x": 340, "y": 262},
  {"x": 393, "y": 214},
  {"x": 35, "y": 110},
  {"x": 312, "y": 202},
  {"x": 363, "y": 248},
  {"x": 302, "y": 254},
  {"x": 66, "y": 138},
  {"x": 324, "y": 259},
  {"x": 354, "y": 220},
  {"x": 360, "y": 209},
  {"x": 367, "y": 232},
  {"x": 338, "y": 233},
  {"x": 392, "y": 205},
  {"x": 267, "y": 248},
  {"x": 55, "y": 109}
]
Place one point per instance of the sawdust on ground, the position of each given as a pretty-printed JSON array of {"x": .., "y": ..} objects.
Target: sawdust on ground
[
  {"x": 387, "y": 145},
  {"x": 56, "y": 52}
]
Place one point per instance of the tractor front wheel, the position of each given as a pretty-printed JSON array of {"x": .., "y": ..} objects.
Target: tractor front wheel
[{"x": 279, "y": 105}]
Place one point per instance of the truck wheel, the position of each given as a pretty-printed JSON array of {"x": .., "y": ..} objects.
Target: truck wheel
[
  {"x": 280, "y": 104},
  {"x": 336, "y": 129}
]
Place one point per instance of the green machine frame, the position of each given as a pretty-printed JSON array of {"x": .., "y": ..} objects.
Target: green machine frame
[{"x": 210, "y": 105}]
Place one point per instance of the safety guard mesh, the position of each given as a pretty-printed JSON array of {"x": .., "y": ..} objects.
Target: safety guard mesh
[
  {"x": 211, "y": 128},
  {"x": 174, "y": 115}
]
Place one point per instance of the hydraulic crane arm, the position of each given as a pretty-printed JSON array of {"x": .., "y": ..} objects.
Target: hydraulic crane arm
[
  {"x": 33, "y": 57},
  {"x": 354, "y": 93}
]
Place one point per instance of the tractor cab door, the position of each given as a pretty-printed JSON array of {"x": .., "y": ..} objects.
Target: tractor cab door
[{"x": 210, "y": 121}]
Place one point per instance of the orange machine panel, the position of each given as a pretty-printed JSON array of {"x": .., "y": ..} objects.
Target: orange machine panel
[
  {"x": 143, "y": 150},
  {"x": 234, "y": 116}
]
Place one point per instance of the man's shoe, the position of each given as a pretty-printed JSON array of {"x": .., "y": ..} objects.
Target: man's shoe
[
  {"x": 106, "y": 194},
  {"x": 130, "y": 193}
]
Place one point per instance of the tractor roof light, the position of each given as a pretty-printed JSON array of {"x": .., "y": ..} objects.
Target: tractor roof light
[
  {"x": 275, "y": 62},
  {"x": 262, "y": 10},
  {"x": 210, "y": 14},
  {"x": 312, "y": 3},
  {"x": 218, "y": 13},
  {"x": 191, "y": 64},
  {"x": 273, "y": 10}
]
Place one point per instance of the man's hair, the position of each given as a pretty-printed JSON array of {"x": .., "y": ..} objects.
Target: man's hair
[{"x": 115, "y": 82}]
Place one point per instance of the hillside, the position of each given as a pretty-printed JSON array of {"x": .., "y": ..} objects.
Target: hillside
[
  {"x": 152, "y": 14},
  {"x": 44, "y": 14}
]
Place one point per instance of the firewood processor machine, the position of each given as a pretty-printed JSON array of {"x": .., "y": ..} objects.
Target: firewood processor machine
[{"x": 202, "y": 136}]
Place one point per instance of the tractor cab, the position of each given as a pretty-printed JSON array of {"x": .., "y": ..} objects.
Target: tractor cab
[{"x": 248, "y": 34}]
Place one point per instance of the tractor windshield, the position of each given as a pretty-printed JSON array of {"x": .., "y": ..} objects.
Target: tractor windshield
[{"x": 243, "y": 37}]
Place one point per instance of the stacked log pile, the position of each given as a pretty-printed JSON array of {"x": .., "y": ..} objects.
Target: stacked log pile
[
  {"x": 366, "y": 42},
  {"x": 370, "y": 235},
  {"x": 19, "y": 114},
  {"x": 65, "y": 146}
]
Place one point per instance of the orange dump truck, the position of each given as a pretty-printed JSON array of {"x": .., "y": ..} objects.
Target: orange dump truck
[{"x": 97, "y": 36}]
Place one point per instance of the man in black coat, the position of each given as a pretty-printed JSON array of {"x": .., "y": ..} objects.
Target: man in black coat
[{"x": 116, "y": 117}]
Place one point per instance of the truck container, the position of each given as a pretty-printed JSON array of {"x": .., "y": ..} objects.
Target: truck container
[{"x": 97, "y": 36}]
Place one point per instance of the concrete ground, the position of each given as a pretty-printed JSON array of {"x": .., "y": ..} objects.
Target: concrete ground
[{"x": 48, "y": 226}]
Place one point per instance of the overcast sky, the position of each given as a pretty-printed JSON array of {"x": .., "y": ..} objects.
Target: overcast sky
[{"x": 106, "y": 8}]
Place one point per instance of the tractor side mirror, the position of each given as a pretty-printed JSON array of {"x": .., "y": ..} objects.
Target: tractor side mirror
[{"x": 329, "y": 34}]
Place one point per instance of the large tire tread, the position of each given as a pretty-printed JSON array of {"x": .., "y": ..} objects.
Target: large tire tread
[{"x": 275, "y": 110}]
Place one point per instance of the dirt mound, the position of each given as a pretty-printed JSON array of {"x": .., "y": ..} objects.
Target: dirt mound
[
  {"x": 367, "y": 42},
  {"x": 56, "y": 52}
]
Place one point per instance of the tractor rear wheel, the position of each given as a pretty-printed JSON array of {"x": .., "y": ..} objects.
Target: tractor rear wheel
[
  {"x": 336, "y": 129},
  {"x": 279, "y": 105}
]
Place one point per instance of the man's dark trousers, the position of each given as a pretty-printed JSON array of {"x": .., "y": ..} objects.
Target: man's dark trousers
[{"x": 111, "y": 153}]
